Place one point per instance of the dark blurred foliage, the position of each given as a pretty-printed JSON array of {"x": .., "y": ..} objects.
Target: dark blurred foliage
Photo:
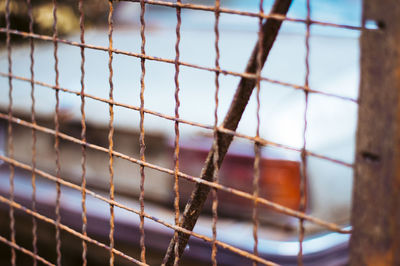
[{"x": 96, "y": 12}]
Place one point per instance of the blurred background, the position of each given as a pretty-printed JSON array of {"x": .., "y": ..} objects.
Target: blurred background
[{"x": 334, "y": 69}]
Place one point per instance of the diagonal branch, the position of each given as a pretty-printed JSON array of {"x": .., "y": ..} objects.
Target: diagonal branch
[{"x": 195, "y": 204}]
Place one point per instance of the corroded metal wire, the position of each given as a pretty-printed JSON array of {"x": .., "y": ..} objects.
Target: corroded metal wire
[
  {"x": 141, "y": 137},
  {"x": 216, "y": 152},
  {"x": 274, "y": 206},
  {"x": 111, "y": 129},
  {"x": 257, "y": 147},
  {"x": 249, "y": 14},
  {"x": 177, "y": 135},
  {"x": 171, "y": 61},
  {"x": 56, "y": 138},
  {"x": 10, "y": 132},
  {"x": 231, "y": 121},
  {"x": 122, "y": 206},
  {"x": 303, "y": 180},
  {"x": 68, "y": 229},
  {"x": 142, "y": 162},
  {"x": 34, "y": 256},
  {"x": 34, "y": 138},
  {"x": 83, "y": 132},
  {"x": 220, "y": 129}
]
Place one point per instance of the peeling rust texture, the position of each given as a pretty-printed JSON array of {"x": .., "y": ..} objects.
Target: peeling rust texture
[
  {"x": 376, "y": 194},
  {"x": 195, "y": 204}
]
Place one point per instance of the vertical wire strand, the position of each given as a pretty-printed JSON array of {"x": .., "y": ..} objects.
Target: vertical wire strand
[
  {"x": 303, "y": 181},
  {"x": 216, "y": 151},
  {"x": 111, "y": 128},
  {"x": 56, "y": 138},
  {"x": 176, "y": 144},
  {"x": 10, "y": 131},
  {"x": 34, "y": 138},
  {"x": 141, "y": 138},
  {"x": 257, "y": 146},
  {"x": 83, "y": 133}
]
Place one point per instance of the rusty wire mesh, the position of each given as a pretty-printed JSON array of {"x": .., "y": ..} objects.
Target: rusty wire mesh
[{"x": 214, "y": 128}]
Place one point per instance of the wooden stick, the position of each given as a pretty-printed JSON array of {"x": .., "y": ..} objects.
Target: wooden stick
[
  {"x": 376, "y": 192},
  {"x": 195, "y": 204}
]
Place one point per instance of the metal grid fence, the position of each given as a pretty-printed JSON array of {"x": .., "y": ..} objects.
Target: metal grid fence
[{"x": 269, "y": 24}]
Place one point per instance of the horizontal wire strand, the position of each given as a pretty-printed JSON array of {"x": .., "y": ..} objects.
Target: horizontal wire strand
[
  {"x": 172, "y": 61},
  {"x": 122, "y": 206},
  {"x": 143, "y": 56},
  {"x": 68, "y": 229},
  {"x": 246, "y": 13},
  {"x": 25, "y": 251},
  {"x": 259, "y": 140},
  {"x": 275, "y": 206}
]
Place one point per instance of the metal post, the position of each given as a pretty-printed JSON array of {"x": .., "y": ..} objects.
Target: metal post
[{"x": 376, "y": 196}]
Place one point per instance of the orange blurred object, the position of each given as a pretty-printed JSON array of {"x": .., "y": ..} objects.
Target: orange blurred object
[{"x": 279, "y": 181}]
